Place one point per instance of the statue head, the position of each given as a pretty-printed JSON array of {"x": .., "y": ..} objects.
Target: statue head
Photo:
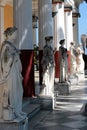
[
  {"x": 72, "y": 43},
  {"x": 10, "y": 31},
  {"x": 79, "y": 45},
  {"x": 48, "y": 38},
  {"x": 62, "y": 42}
]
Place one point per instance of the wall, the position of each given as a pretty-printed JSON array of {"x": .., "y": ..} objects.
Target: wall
[{"x": 8, "y": 16}]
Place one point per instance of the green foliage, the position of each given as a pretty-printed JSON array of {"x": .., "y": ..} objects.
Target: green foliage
[{"x": 36, "y": 54}]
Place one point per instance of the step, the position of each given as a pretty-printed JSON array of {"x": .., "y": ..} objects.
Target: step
[{"x": 31, "y": 106}]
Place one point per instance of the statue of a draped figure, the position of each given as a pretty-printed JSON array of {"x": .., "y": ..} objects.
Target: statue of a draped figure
[
  {"x": 63, "y": 62},
  {"x": 79, "y": 59},
  {"x": 11, "y": 78},
  {"x": 48, "y": 66},
  {"x": 73, "y": 63}
]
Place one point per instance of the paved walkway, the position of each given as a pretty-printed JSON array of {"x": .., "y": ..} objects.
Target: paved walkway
[{"x": 66, "y": 115}]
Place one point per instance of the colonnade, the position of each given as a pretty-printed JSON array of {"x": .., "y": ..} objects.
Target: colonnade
[{"x": 64, "y": 25}]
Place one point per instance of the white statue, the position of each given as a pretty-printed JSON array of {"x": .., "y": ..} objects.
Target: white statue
[
  {"x": 79, "y": 59},
  {"x": 11, "y": 83},
  {"x": 48, "y": 65},
  {"x": 63, "y": 62},
  {"x": 73, "y": 64}
]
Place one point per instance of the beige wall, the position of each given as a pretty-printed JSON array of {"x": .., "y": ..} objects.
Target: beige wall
[{"x": 8, "y": 16}]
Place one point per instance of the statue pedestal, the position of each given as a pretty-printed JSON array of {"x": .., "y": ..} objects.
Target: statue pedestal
[
  {"x": 46, "y": 102},
  {"x": 86, "y": 73},
  {"x": 81, "y": 77},
  {"x": 74, "y": 80},
  {"x": 17, "y": 124},
  {"x": 63, "y": 88}
]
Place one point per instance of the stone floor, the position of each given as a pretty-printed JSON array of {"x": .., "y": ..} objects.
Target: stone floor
[{"x": 66, "y": 115}]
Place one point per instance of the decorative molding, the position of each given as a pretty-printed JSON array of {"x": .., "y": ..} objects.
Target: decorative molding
[
  {"x": 4, "y": 2},
  {"x": 57, "y": 1},
  {"x": 75, "y": 14},
  {"x": 68, "y": 8}
]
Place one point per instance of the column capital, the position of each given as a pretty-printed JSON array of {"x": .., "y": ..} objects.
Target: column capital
[
  {"x": 57, "y": 1},
  {"x": 76, "y": 14},
  {"x": 54, "y": 13},
  {"x": 67, "y": 8}
]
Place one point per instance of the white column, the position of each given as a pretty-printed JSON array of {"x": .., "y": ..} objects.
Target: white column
[
  {"x": 45, "y": 21},
  {"x": 55, "y": 25},
  {"x": 46, "y": 29},
  {"x": 1, "y": 24},
  {"x": 75, "y": 27},
  {"x": 35, "y": 30},
  {"x": 59, "y": 32},
  {"x": 59, "y": 27},
  {"x": 22, "y": 14},
  {"x": 68, "y": 27},
  {"x": 23, "y": 21}
]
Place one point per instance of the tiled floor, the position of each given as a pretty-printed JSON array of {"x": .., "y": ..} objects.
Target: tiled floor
[{"x": 67, "y": 115}]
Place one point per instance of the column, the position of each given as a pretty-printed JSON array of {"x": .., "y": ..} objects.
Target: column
[
  {"x": 22, "y": 10},
  {"x": 35, "y": 30},
  {"x": 68, "y": 26},
  {"x": 45, "y": 29},
  {"x": 1, "y": 23},
  {"x": 68, "y": 30},
  {"x": 75, "y": 27},
  {"x": 59, "y": 32},
  {"x": 45, "y": 21}
]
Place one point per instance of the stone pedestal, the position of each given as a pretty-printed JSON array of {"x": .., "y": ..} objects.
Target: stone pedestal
[
  {"x": 86, "y": 73},
  {"x": 46, "y": 102},
  {"x": 63, "y": 88},
  {"x": 74, "y": 80},
  {"x": 81, "y": 77},
  {"x": 17, "y": 124}
]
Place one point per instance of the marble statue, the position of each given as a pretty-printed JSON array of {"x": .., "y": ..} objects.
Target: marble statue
[
  {"x": 73, "y": 54},
  {"x": 79, "y": 59},
  {"x": 48, "y": 65},
  {"x": 84, "y": 42},
  {"x": 11, "y": 78},
  {"x": 63, "y": 62}
]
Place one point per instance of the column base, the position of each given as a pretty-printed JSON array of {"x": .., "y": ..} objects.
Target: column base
[{"x": 63, "y": 88}]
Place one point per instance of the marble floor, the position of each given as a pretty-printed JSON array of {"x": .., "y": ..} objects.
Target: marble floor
[{"x": 67, "y": 113}]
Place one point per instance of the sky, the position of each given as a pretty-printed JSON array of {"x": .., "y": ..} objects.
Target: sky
[{"x": 82, "y": 19}]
